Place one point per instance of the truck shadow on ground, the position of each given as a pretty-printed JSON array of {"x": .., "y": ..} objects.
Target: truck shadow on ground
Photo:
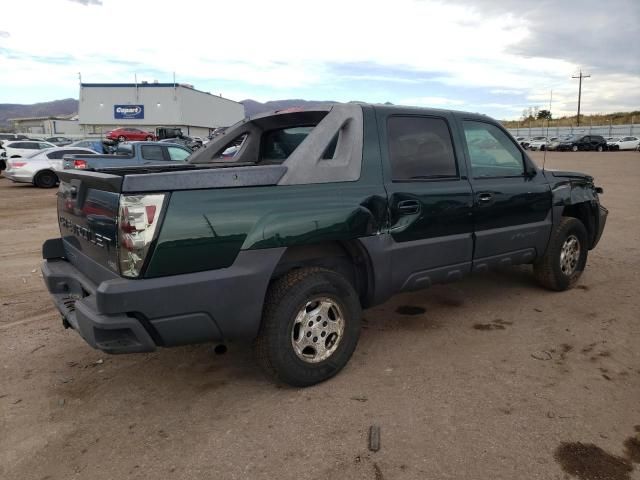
[{"x": 188, "y": 372}]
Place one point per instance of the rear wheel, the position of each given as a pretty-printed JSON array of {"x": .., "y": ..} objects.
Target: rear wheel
[
  {"x": 45, "y": 179},
  {"x": 122, "y": 138},
  {"x": 599, "y": 148},
  {"x": 310, "y": 326},
  {"x": 566, "y": 256},
  {"x": 574, "y": 148}
]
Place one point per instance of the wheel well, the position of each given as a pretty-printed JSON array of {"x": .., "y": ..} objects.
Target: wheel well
[
  {"x": 582, "y": 211},
  {"x": 349, "y": 258}
]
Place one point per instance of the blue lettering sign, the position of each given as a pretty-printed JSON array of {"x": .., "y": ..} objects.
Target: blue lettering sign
[{"x": 128, "y": 112}]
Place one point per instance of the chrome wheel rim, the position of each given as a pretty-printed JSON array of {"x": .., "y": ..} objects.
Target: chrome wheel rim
[
  {"x": 317, "y": 330},
  {"x": 569, "y": 255}
]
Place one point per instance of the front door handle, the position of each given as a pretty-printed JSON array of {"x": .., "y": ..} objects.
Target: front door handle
[
  {"x": 409, "y": 207},
  {"x": 485, "y": 197}
]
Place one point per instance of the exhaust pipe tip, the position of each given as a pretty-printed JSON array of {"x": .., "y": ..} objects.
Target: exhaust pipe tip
[{"x": 220, "y": 349}]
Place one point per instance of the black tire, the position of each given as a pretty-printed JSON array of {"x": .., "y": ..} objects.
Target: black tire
[
  {"x": 45, "y": 179},
  {"x": 122, "y": 138},
  {"x": 548, "y": 270},
  {"x": 285, "y": 300},
  {"x": 3, "y": 165},
  {"x": 542, "y": 148},
  {"x": 574, "y": 148},
  {"x": 600, "y": 149}
]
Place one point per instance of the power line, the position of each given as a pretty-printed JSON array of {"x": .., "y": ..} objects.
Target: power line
[{"x": 581, "y": 76}]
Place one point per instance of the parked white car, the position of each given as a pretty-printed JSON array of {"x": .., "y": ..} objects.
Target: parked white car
[
  {"x": 624, "y": 143},
  {"x": 538, "y": 143},
  {"x": 40, "y": 167},
  {"x": 22, "y": 148}
]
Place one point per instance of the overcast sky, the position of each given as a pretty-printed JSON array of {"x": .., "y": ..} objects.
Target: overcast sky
[{"x": 491, "y": 56}]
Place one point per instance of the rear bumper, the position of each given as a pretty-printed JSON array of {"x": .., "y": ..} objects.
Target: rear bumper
[
  {"x": 18, "y": 176},
  {"x": 118, "y": 315},
  {"x": 74, "y": 295}
]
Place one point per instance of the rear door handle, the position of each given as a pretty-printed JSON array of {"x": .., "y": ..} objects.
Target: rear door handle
[
  {"x": 409, "y": 207},
  {"x": 485, "y": 197}
]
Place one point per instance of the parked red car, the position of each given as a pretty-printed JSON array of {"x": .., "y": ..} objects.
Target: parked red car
[{"x": 130, "y": 134}]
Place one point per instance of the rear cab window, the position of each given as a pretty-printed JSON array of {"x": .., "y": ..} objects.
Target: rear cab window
[
  {"x": 152, "y": 153},
  {"x": 420, "y": 148}
]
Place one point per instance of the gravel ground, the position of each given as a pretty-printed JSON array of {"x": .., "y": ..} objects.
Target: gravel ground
[{"x": 489, "y": 378}]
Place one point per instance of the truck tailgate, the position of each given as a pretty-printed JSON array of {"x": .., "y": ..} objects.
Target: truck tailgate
[{"x": 87, "y": 217}]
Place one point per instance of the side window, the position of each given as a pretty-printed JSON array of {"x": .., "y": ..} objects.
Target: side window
[
  {"x": 491, "y": 151},
  {"x": 420, "y": 148},
  {"x": 278, "y": 145},
  {"x": 57, "y": 154},
  {"x": 152, "y": 152},
  {"x": 178, "y": 154},
  {"x": 76, "y": 152},
  {"x": 19, "y": 145}
]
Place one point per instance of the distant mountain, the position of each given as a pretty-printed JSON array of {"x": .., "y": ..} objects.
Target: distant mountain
[
  {"x": 68, "y": 106},
  {"x": 251, "y": 107}
]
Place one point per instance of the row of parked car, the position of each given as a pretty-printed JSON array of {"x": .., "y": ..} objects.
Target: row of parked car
[
  {"x": 37, "y": 162},
  {"x": 580, "y": 142}
]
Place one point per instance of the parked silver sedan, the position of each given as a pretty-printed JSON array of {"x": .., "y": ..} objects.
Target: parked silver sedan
[{"x": 40, "y": 167}]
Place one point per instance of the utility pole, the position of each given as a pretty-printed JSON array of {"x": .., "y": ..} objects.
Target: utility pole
[{"x": 581, "y": 76}]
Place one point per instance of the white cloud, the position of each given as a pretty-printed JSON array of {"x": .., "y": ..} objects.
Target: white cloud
[
  {"x": 432, "y": 101},
  {"x": 284, "y": 47}
]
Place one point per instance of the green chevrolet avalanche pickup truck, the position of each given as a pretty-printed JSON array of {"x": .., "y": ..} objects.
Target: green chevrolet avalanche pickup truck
[{"x": 286, "y": 226}]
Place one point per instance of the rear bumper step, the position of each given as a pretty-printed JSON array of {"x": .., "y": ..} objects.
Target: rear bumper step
[{"x": 120, "y": 315}]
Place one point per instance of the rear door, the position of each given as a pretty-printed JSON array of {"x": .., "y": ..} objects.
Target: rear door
[
  {"x": 511, "y": 205},
  {"x": 430, "y": 198}
]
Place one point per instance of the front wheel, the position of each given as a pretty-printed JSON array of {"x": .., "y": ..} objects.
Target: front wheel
[
  {"x": 566, "y": 256},
  {"x": 310, "y": 326},
  {"x": 122, "y": 138},
  {"x": 574, "y": 148},
  {"x": 600, "y": 148}
]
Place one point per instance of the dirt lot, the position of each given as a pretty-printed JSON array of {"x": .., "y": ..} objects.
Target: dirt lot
[{"x": 489, "y": 378}]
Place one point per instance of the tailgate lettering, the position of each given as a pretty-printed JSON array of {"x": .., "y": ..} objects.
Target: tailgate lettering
[{"x": 97, "y": 239}]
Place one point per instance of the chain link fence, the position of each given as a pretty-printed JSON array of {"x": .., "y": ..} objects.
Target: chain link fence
[{"x": 610, "y": 130}]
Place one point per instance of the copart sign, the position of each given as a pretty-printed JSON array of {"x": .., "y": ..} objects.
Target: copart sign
[{"x": 128, "y": 112}]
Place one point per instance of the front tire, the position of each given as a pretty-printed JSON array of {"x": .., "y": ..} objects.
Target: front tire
[
  {"x": 600, "y": 149},
  {"x": 563, "y": 263},
  {"x": 310, "y": 326},
  {"x": 122, "y": 138},
  {"x": 46, "y": 179}
]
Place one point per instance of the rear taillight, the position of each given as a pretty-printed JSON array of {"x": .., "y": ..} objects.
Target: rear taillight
[
  {"x": 17, "y": 164},
  {"x": 138, "y": 218},
  {"x": 79, "y": 164}
]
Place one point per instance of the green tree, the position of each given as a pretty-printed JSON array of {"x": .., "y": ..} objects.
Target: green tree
[{"x": 544, "y": 115}]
